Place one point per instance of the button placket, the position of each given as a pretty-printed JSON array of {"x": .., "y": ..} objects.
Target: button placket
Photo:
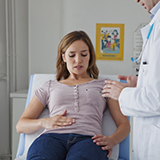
[{"x": 76, "y": 107}]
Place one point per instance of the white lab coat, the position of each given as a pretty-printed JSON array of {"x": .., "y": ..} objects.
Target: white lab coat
[{"x": 143, "y": 102}]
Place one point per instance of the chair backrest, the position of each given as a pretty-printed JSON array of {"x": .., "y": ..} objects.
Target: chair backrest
[{"x": 120, "y": 151}]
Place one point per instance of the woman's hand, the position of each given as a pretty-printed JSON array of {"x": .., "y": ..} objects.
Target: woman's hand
[
  {"x": 58, "y": 121},
  {"x": 106, "y": 143}
]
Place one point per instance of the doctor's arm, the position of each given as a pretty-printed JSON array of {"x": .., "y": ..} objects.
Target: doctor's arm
[
  {"x": 28, "y": 122},
  {"x": 143, "y": 100},
  {"x": 131, "y": 80},
  {"x": 113, "y": 89}
]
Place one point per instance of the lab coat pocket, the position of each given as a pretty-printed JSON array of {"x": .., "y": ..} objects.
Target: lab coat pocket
[
  {"x": 144, "y": 68},
  {"x": 144, "y": 72},
  {"x": 154, "y": 143}
]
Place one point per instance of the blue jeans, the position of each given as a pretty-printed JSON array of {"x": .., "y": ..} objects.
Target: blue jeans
[{"x": 52, "y": 146}]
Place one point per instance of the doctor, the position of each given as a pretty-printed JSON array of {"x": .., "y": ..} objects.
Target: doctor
[{"x": 140, "y": 97}]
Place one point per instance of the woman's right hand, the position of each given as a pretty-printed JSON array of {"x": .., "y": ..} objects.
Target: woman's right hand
[
  {"x": 57, "y": 121},
  {"x": 29, "y": 122}
]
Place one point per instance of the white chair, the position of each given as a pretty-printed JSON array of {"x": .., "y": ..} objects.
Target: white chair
[{"x": 120, "y": 151}]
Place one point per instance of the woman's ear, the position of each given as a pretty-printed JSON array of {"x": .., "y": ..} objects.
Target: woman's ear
[{"x": 63, "y": 56}]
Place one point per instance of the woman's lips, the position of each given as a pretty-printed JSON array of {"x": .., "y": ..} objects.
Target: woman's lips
[{"x": 78, "y": 67}]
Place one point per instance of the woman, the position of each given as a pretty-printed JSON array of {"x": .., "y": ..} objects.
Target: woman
[{"x": 73, "y": 130}]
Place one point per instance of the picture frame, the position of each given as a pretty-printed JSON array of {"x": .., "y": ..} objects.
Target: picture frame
[{"x": 109, "y": 41}]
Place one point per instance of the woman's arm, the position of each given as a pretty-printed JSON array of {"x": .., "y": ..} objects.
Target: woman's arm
[
  {"x": 28, "y": 122},
  {"x": 123, "y": 128}
]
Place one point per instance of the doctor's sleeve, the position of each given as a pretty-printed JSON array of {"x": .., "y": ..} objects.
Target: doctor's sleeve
[{"x": 144, "y": 100}]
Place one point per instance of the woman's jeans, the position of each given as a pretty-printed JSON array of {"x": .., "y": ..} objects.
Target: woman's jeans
[{"x": 52, "y": 146}]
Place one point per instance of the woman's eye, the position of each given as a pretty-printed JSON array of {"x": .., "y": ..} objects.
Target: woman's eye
[
  {"x": 84, "y": 55},
  {"x": 71, "y": 55}
]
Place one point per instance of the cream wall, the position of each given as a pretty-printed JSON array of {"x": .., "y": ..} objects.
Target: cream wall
[
  {"x": 87, "y": 14},
  {"x": 39, "y": 25},
  {"x": 57, "y": 18},
  {"x": 43, "y": 35}
]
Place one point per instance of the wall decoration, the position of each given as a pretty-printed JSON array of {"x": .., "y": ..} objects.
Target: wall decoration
[{"x": 109, "y": 41}]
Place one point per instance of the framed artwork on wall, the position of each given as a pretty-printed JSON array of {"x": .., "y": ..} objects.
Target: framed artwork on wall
[{"x": 109, "y": 41}]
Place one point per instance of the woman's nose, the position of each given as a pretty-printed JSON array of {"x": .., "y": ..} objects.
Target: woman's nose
[
  {"x": 137, "y": 1},
  {"x": 78, "y": 59}
]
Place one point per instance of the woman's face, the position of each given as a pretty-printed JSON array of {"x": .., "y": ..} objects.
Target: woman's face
[{"x": 77, "y": 58}]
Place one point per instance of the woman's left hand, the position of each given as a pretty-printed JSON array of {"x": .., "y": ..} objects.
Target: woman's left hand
[{"x": 106, "y": 143}]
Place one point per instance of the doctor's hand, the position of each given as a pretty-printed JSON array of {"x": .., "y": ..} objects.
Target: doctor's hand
[
  {"x": 57, "y": 121},
  {"x": 106, "y": 143},
  {"x": 113, "y": 89},
  {"x": 131, "y": 80}
]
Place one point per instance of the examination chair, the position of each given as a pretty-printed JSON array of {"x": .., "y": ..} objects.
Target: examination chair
[{"x": 120, "y": 151}]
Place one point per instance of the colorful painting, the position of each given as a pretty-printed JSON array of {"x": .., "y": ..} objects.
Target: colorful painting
[{"x": 109, "y": 41}]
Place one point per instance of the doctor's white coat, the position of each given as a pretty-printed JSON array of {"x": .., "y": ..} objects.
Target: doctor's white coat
[{"x": 143, "y": 102}]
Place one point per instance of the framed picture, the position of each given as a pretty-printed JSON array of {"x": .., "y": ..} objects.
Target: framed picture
[{"x": 109, "y": 41}]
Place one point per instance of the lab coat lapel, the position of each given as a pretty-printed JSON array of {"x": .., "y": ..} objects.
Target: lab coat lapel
[
  {"x": 155, "y": 18},
  {"x": 144, "y": 32}
]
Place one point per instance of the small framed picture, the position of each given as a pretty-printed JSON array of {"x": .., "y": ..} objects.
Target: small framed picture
[{"x": 109, "y": 41}]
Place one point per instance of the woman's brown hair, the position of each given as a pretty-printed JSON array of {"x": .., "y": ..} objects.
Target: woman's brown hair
[{"x": 62, "y": 71}]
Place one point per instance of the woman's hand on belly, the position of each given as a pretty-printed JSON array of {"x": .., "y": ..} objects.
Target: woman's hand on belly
[{"x": 57, "y": 121}]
